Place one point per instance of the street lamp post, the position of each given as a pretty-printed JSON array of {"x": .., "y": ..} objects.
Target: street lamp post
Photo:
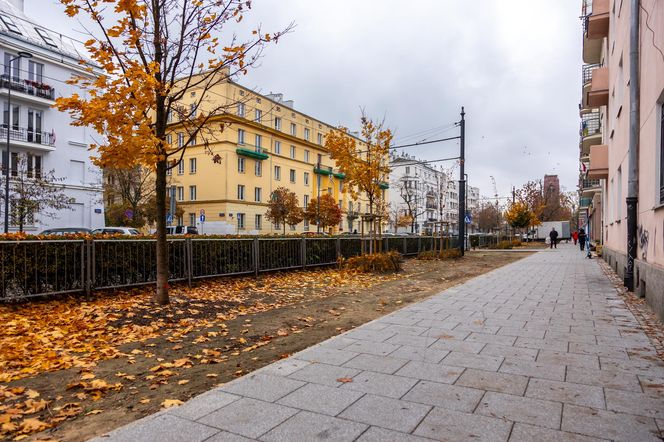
[{"x": 20, "y": 55}]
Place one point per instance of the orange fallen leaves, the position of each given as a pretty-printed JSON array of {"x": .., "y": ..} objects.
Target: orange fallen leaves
[{"x": 168, "y": 403}]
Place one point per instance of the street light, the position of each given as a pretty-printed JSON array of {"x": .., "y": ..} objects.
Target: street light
[{"x": 21, "y": 54}]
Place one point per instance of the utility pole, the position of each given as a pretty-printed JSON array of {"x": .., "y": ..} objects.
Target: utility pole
[
  {"x": 513, "y": 194},
  {"x": 462, "y": 184}
]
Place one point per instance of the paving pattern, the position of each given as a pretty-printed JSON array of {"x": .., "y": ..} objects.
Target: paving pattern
[{"x": 540, "y": 350}]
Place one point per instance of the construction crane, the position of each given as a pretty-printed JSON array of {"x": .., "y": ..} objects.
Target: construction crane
[{"x": 495, "y": 189}]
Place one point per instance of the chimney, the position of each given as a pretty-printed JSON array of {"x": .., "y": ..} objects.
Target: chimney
[{"x": 18, "y": 4}]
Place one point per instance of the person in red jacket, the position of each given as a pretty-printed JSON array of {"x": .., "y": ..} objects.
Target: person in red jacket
[{"x": 575, "y": 236}]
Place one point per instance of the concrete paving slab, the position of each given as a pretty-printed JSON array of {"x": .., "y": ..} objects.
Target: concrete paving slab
[
  {"x": 449, "y": 425},
  {"x": 392, "y": 414},
  {"x": 306, "y": 426}
]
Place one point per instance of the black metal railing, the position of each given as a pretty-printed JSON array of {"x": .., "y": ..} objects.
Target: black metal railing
[
  {"x": 29, "y": 87},
  {"x": 40, "y": 268},
  {"x": 26, "y": 135},
  {"x": 591, "y": 124},
  {"x": 589, "y": 184}
]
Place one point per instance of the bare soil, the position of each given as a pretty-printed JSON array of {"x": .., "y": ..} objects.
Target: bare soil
[{"x": 208, "y": 357}]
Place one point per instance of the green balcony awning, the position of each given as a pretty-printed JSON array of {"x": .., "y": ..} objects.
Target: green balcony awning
[
  {"x": 384, "y": 185},
  {"x": 339, "y": 175},
  {"x": 323, "y": 170},
  {"x": 252, "y": 153}
]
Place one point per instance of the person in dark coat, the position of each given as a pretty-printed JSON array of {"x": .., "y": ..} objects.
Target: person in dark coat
[
  {"x": 582, "y": 238},
  {"x": 553, "y": 236}
]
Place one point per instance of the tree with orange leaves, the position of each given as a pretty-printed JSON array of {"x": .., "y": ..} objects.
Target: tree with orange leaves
[
  {"x": 160, "y": 59},
  {"x": 326, "y": 214},
  {"x": 365, "y": 162}
]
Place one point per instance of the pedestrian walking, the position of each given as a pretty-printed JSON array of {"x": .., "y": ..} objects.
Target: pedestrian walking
[
  {"x": 553, "y": 235},
  {"x": 582, "y": 238},
  {"x": 575, "y": 236}
]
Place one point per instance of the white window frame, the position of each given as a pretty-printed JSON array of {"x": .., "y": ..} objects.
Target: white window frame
[
  {"x": 240, "y": 110},
  {"x": 293, "y": 152},
  {"x": 240, "y": 136},
  {"x": 192, "y": 193},
  {"x": 258, "y": 194},
  {"x": 258, "y": 168},
  {"x": 192, "y": 165},
  {"x": 277, "y": 173},
  {"x": 240, "y": 165},
  {"x": 277, "y": 147},
  {"x": 240, "y": 192},
  {"x": 292, "y": 175},
  {"x": 277, "y": 123}
]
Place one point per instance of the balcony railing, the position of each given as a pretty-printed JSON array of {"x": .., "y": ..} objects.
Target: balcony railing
[
  {"x": 26, "y": 135},
  {"x": 591, "y": 124},
  {"x": 29, "y": 87},
  {"x": 587, "y": 73},
  {"x": 589, "y": 184}
]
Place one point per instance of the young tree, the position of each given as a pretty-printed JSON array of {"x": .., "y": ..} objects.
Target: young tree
[
  {"x": 160, "y": 58},
  {"x": 34, "y": 194},
  {"x": 283, "y": 208},
  {"x": 129, "y": 196},
  {"x": 413, "y": 195},
  {"x": 366, "y": 164},
  {"x": 520, "y": 216},
  {"x": 488, "y": 217},
  {"x": 327, "y": 214}
]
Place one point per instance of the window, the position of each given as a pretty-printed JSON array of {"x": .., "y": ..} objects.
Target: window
[
  {"x": 169, "y": 171},
  {"x": 12, "y": 67},
  {"x": 192, "y": 219},
  {"x": 306, "y": 178},
  {"x": 257, "y": 194},
  {"x": 192, "y": 165},
  {"x": 169, "y": 116},
  {"x": 180, "y": 193},
  {"x": 240, "y": 192},
  {"x": 46, "y": 37},
  {"x": 341, "y": 186},
  {"x": 407, "y": 170},
  {"x": 15, "y": 112},
  {"x": 292, "y": 227},
  {"x": 258, "y": 168},
  {"x": 307, "y": 133},
  {"x": 258, "y": 222},
  {"x": 169, "y": 139},
  {"x": 240, "y": 136},
  {"x": 292, "y": 151},
  {"x": 293, "y": 129},
  {"x": 192, "y": 193},
  {"x": 305, "y": 201},
  {"x": 240, "y": 221},
  {"x": 35, "y": 71},
  {"x": 619, "y": 198},
  {"x": 34, "y": 126},
  {"x": 306, "y": 156},
  {"x": 320, "y": 138},
  {"x": 76, "y": 172},
  {"x": 661, "y": 154},
  {"x": 258, "y": 114},
  {"x": 34, "y": 166},
  {"x": 277, "y": 123},
  {"x": 240, "y": 165},
  {"x": 240, "y": 110},
  {"x": 319, "y": 158},
  {"x": 259, "y": 142},
  {"x": 277, "y": 147},
  {"x": 277, "y": 173},
  {"x": 9, "y": 23},
  {"x": 181, "y": 168},
  {"x": 306, "y": 225},
  {"x": 292, "y": 175},
  {"x": 192, "y": 109},
  {"x": 180, "y": 139}
]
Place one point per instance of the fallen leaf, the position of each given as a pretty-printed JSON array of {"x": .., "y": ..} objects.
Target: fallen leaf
[
  {"x": 168, "y": 403},
  {"x": 94, "y": 412},
  {"x": 345, "y": 380},
  {"x": 183, "y": 381}
]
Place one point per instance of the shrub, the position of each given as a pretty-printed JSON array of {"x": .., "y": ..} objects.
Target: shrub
[
  {"x": 389, "y": 262},
  {"x": 502, "y": 245},
  {"x": 516, "y": 243}
]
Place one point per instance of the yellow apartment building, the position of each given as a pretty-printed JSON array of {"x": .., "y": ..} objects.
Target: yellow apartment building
[{"x": 264, "y": 144}]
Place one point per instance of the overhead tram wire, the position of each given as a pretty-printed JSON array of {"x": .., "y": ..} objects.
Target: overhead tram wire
[{"x": 419, "y": 143}]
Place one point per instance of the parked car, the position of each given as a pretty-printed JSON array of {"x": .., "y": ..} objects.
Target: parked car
[
  {"x": 116, "y": 231},
  {"x": 181, "y": 230},
  {"x": 66, "y": 231}
]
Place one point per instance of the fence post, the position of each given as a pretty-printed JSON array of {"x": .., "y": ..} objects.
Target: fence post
[
  {"x": 405, "y": 246},
  {"x": 419, "y": 244},
  {"x": 256, "y": 257},
  {"x": 338, "y": 244},
  {"x": 190, "y": 259},
  {"x": 85, "y": 266},
  {"x": 93, "y": 264},
  {"x": 303, "y": 252}
]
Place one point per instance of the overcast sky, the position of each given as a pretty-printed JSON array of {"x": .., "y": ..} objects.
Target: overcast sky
[{"x": 514, "y": 65}]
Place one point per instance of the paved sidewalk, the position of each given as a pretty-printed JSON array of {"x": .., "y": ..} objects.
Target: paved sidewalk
[{"x": 540, "y": 350}]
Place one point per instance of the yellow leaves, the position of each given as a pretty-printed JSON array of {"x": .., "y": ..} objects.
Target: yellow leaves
[
  {"x": 183, "y": 381},
  {"x": 32, "y": 394},
  {"x": 87, "y": 376},
  {"x": 168, "y": 403},
  {"x": 32, "y": 406},
  {"x": 91, "y": 412},
  {"x": 144, "y": 401},
  {"x": 32, "y": 425}
]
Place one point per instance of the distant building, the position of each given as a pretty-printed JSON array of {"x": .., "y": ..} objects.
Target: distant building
[
  {"x": 551, "y": 185},
  {"x": 36, "y": 129}
]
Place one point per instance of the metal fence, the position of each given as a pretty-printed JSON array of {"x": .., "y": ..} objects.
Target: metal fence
[{"x": 39, "y": 268}]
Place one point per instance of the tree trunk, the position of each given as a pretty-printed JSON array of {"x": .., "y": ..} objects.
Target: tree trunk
[{"x": 161, "y": 295}]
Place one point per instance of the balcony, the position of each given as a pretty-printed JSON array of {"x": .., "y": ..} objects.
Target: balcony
[
  {"x": 30, "y": 90},
  {"x": 327, "y": 171},
  {"x": 590, "y": 132},
  {"x": 257, "y": 154},
  {"x": 589, "y": 187},
  {"x": 598, "y": 95},
  {"x": 585, "y": 202},
  {"x": 599, "y": 162},
  {"x": 595, "y": 19},
  {"x": 21, "y": 136}
]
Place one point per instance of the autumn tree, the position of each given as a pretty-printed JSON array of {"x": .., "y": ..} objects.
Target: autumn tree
[
  {"x": 327, "y": 214},
  {"x": 488, "y": 217},
  {"x": 520, "y": 216},
  {"x": 160, "y": 60},
  {"x": 412, "y": 193},
  {"x": 547, "y": 204},
  {"x": 34, "y": 194},
  {"x": 365, "y": 163},
  {"x": 130, "y": 196},
  {"x": 284, "y": 208}
]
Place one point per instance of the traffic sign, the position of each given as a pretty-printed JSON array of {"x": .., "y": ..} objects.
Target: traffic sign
[
  {"x": 169, "y": 217},
  {"x": 129, "y": 214},
  {"x": 469, "y": 218},
  {"x": 202, "y": 212},
  {"x": 202, "y": 218}
]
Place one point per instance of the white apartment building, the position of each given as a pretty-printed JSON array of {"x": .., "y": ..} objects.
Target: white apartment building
[
  {"x": 418, "y": 189},
  {"x": 43, "y": 134}
]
